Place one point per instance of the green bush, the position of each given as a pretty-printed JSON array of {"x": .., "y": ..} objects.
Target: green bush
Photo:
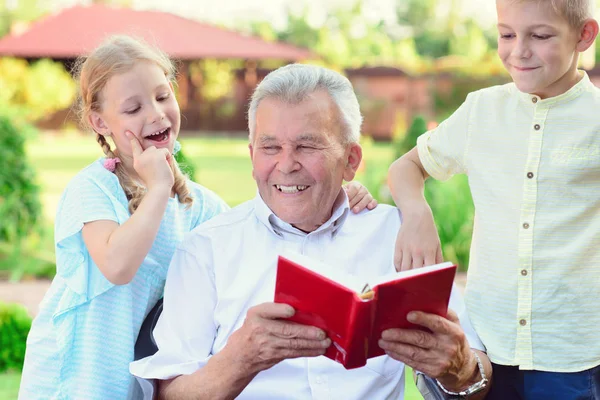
[
  {"x": 453, "y": 211},
  {"x": 36, "y": 89},
  {"x": 14, "y": 327},
  {"x": 186, "y": 166},
  {"x": 20, "y": 207},
  {"x": 405, "y": 144}
]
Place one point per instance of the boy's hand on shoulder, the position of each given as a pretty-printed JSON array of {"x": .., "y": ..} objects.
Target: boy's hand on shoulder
[
  {"x": 417, "y": 243},
  {"x": 152, "y": 165}
]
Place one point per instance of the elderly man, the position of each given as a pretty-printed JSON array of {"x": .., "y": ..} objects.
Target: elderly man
[{"x": 221, "y": 336}]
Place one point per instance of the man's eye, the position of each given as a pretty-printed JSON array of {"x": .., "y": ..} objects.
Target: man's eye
[{"x": 305, "y": 147}]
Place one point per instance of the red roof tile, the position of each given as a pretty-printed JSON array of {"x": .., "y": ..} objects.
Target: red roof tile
[{"x": 77, "y": 30}]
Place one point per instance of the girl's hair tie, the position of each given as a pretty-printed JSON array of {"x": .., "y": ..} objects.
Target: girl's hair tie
[{"x": 111, "y": 163}]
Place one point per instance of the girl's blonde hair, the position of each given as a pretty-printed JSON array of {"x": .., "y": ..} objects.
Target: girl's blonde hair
[{"x": 117, "y": 55}]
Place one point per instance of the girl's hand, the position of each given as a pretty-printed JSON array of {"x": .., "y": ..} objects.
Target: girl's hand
[
  {"x": 152, "y": 165},
  {"x": 359, "y": 197}
]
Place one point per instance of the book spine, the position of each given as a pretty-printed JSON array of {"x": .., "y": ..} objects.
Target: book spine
[{"x": 360, "y": 323}]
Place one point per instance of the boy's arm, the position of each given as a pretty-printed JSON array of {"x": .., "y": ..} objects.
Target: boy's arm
[{"x": 418, "y": 243}]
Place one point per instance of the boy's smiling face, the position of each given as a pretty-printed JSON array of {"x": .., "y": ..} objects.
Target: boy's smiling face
[{"x": 538, "y": 47}]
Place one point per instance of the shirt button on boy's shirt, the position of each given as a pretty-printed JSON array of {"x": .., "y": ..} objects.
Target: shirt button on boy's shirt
[
  {"x": 526, "y": 225},
  {"x": 523, "y": 322},
  {"x": 534, "y": 100},
  {"x": 524, "y": 272},
  {"x": 536, "y": 127},
  {"x": 530, "y": 175}
]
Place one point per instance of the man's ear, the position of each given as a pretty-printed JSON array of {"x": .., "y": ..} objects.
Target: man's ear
[
  {"x": 98, "y": 124},
  {"x": 352, "y": 161},
  {"x": 251, "y": 149},
  {"x": 587, "y": 35}
]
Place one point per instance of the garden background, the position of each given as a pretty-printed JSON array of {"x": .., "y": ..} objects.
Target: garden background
[{"x": 446, "y": 48}]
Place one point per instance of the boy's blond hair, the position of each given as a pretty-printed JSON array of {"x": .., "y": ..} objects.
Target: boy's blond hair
[
  {"x": 576, "y": 12},
  {"x": 117, "y": 55}
]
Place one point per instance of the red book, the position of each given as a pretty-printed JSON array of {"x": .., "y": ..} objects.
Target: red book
[{"x": 354, "y": 313}]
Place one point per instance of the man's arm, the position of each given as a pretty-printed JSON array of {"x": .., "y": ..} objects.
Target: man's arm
[
  {"x": 263, "y": 341},
  {"x": 443, "y": 354}
]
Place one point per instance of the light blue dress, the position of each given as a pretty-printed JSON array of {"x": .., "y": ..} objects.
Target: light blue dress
[{"x": 81, "y": 342}]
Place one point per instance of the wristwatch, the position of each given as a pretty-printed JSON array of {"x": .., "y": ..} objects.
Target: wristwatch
[{"x": 474, "y": 388}]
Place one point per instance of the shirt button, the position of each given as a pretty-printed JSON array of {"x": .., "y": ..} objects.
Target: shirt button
[
  {"x": 536, "y": 127},
  {"x": 524, "y": 272},
  {"x": 534, "y": 100},
  {"x": 530, "y": 175},
  {"x": 523, "y": 322},
  {"x": 526, "y": 225}
]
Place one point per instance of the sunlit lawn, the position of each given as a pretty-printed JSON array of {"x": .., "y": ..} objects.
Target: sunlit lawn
[{"x": 222, "y": 164}]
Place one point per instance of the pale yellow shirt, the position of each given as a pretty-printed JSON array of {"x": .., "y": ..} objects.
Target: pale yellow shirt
[{"x": 533, "y": 288}]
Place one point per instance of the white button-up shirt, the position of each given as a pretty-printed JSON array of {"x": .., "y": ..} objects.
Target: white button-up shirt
[{"x": 228, "y": 265}]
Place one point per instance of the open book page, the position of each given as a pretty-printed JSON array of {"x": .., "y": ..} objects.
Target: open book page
[
  {"x": 331, "y": 272},
  {"x": 405, "y": 274}
]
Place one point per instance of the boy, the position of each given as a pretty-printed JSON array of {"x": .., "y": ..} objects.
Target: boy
[{"x": 531, "y": 150}]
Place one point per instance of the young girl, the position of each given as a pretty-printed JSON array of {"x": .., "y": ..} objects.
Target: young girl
[{"x": 117, "y": 226}]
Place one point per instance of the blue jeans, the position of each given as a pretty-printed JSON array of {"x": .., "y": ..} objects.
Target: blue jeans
[{"x": 510, "y": 383}]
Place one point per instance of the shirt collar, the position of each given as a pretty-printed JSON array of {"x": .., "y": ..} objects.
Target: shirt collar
[
  {"x": 276, "y": 225},
  {"x": 580, "y": 87}
]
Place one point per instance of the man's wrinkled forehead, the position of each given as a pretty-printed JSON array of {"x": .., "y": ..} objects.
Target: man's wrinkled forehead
[{"x": 309, "y": 119}]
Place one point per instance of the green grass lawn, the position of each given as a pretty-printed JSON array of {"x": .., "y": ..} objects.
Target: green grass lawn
[{"x": 9, "y": 387}]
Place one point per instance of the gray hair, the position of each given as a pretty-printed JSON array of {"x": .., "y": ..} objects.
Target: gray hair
[{"x": 294, "y": 83}]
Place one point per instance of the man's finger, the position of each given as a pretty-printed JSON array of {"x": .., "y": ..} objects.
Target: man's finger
[
  {"x": 415, "y": 337},
  {"x": 136, "y": 147},
  {"x": 452, "y": 316},
  {"x": 302, "y": 344},
  {"x": 404, "y": 352},
  {"x": 272, "y": 311},
  {"x": 433, "y": 322},
  {"x": 288, "y": 330}
]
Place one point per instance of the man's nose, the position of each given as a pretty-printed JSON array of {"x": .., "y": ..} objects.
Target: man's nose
[{"x": 288, "y": 162}]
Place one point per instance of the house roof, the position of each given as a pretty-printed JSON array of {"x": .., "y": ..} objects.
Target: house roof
[{"x": 77, "y": 30}]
